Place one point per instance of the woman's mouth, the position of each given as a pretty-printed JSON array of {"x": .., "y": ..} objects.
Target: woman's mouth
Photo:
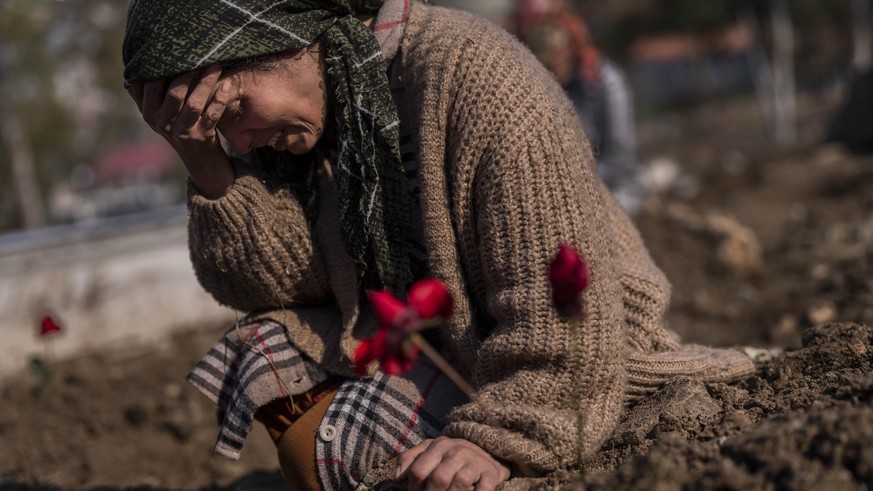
[{"x": 274, "y": 139}]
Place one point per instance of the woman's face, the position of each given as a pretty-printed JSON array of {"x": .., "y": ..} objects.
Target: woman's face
[
  {"x": 284, "y": 107},
  {"x": 553, "y": 47}
]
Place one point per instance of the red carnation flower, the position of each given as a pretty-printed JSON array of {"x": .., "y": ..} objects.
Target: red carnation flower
[
  {"x": 429, "y": 303},
  {"x": 48, "y": 326},
  {"x": 568, "y": 275}
]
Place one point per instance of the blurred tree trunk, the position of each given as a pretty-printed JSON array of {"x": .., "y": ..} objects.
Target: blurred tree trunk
[
  {"x": 784, "y": 90},
  {"x": 24, "y": 180},
  {"x": 758, "y": 62},
  {"x": 774, "y": 75},
  {"x": 862, "y": 52}
]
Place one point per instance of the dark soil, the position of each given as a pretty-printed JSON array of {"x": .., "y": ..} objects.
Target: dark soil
[
  {"x": 122, "y": 420},
  {"x": 804, "y": 421},
  {"x": 764, "y": 246}
]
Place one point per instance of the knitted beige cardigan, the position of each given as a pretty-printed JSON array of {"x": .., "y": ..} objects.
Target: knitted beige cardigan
[{"x": 506, "y": 176}]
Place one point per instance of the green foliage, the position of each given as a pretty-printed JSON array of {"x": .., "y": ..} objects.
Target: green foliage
[{"x": 60, "y": 71}]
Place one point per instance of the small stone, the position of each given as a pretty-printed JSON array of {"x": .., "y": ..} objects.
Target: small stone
[
  {"x": 822, "y": 313},
  {"x": 172, "y": 391},
  {"x": 819, "y": 271},
  {"x": 858, "y": 347}
]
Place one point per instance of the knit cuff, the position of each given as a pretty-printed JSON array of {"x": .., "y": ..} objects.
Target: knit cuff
[
  {"x": 647, "y": 372},
  {"x": 532, "y": 439},
  {"x": 252, "y": 248}
]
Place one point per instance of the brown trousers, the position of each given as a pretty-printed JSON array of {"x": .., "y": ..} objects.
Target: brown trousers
[{"x": 296, "y": 447}]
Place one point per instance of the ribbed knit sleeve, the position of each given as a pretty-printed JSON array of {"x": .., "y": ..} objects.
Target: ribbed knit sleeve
[
  {"x": 522, "y": 182},
  {"x": 646, "y": 291},
  {"x": 252, "y": 248},
  {"x": 525, "y": 367}
]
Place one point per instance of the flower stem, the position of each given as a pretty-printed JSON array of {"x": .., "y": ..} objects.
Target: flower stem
[{"x": 443, "y": 365}]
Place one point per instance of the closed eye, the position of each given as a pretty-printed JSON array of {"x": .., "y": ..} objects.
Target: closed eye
[{"x": 235, "y": 110}]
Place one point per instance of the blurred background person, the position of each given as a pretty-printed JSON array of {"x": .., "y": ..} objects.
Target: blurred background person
[{"x": 597, "y": 87}]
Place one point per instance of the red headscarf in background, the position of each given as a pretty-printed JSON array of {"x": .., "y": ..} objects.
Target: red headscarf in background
[{"x": 531, "y": 13}]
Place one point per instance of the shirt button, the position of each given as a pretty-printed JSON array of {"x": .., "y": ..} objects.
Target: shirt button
[{"x": 327, "y": 433}]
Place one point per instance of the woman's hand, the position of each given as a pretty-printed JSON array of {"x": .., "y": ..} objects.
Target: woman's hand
[
  {"x": 185, "y": 112},
  {"x": 450, "y": 464}
]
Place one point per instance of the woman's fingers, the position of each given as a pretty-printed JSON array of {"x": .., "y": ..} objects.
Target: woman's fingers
[
  {"x": 177, "y": 94},
  {"x": 186, "y": 108},
  {"x": 450, "y": 464},
  {"x": 221, "y": 98},
  {"x": 198, "y": 98},
  {"x": 490, "y": 479},
  {"x": 152, "y": 98},
  {"x": 184, "y": 111},
  {"x": 451, "y": 473},
  {"x": 405, "y": 459}
]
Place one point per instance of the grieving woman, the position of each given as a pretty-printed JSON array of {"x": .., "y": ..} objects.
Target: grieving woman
[{"x": 368, "y": 144}]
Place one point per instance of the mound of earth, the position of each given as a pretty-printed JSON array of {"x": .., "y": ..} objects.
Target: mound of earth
[{"x": 803, "y": 421}]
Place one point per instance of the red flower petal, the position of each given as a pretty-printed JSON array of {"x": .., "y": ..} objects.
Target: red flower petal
[
  {"x": 392, "y": 366},
  {"x": 400, "y": 361},
  {"x": 568, "y": 275},
  {"x": 386, "y": 306},
  {"x": 371, "y": 350},
  {"x": 363, "y": 356},
  {"x": 430, "y": 298},
  {"x": 48, "y": 326},
  {"x": 380, "y": 343}
]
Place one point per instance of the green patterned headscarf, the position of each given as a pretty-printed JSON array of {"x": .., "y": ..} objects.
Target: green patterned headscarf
[{"x": 169, "y": 37}]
